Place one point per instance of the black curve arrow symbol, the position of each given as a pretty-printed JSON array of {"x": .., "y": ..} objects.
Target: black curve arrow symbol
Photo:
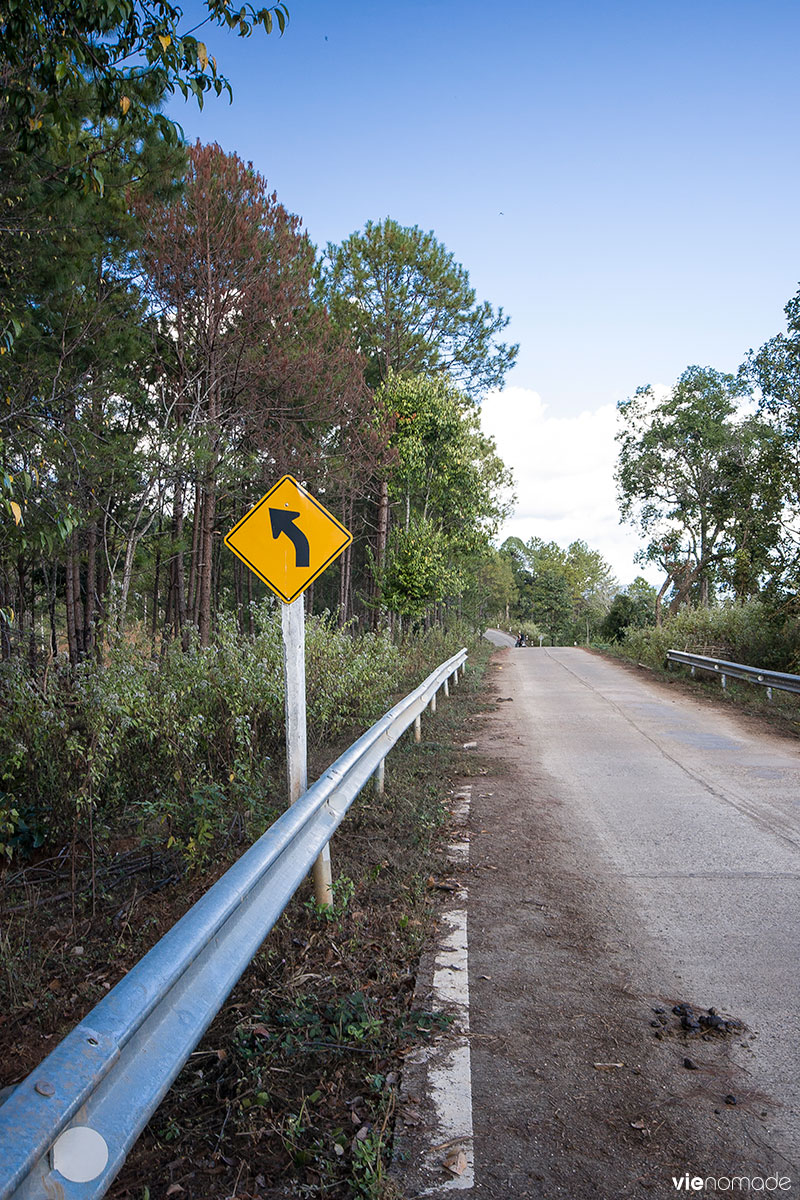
[{"x": 283, "y": 521}]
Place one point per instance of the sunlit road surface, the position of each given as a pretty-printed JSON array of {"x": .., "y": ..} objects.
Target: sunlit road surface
[
  {"x": 696, "y": 812},
  {"x": 693, "y": 813}
]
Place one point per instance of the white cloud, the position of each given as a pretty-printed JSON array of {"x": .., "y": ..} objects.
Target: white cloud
[{"x": 564, "y": 476}]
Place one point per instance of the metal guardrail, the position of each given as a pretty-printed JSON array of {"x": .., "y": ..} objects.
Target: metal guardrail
[
  {"x": 67, "y": 1128},
  {"x": 768, "y": 679}
]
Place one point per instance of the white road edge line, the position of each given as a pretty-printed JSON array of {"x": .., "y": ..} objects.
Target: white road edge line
[{"x": 450, "y": 1078}]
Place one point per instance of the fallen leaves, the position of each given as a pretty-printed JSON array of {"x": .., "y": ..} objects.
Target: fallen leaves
[
  {"x": 442, "y": 885},
  {"x": 456, "y": 1162}
]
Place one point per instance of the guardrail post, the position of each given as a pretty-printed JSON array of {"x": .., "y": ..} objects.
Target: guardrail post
[
  {"x": 433, "y": 703},
  {"x": 723, "y": 681},
  {"x": 418, "y": 729},
  {"x": 769, "y": 693},
  {"x": 447, "y": 687},
  {"x": 380, "y": 778}
]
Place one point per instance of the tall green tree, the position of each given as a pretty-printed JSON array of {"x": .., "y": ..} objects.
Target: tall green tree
[
  {"x": 442, "y": 464},
  {"x": 76, "y": 362},
  {"x": 774, "y": 371},
  {"x": 634, "y": 606},
  {"x": 592, "y": 584},
  {"x": 411, "y": 309},
  {"x": 445, "y": 482},
  {"x": 694, "y": 476},
  {"x": 566, "y": 592}
]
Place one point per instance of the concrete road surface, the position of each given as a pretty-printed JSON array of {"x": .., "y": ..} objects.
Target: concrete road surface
[{"x": 638, "y": 837}]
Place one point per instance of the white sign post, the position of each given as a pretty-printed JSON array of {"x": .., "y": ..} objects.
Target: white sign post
[
  {"x": 293, "y": 621},
  {"x": 288, "y": 539}
]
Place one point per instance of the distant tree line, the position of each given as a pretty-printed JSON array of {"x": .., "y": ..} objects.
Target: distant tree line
[{"x": 562, "y": 596}]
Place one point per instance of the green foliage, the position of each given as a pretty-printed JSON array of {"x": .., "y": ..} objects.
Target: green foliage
[
  {"x": 444, "y": 467},
  {"x": 343, "y": 889},
  {"x": 410, "y": 308},
  {"x": 490, "y": 590},
  {"x": 565, "y": 593},
  {"x": 182, "y": 746},
  {"x": 58, "y": 54},
  {"x": 347, "y": 678},
  {"x": 774, "y": 371},
  {"x": 417, "y": 572},
  {"x": 750, "y": 633},
  {"x": 449, "y": 489},
  {"x": 697, "y": 476},
  {"x": 633, "y": 606}
]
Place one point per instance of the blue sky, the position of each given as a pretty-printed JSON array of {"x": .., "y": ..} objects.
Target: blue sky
[{"x": 621, "y": 178}]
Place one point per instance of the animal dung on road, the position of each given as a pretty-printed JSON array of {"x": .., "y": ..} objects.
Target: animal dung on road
[{"x": 697, "y": 1021}]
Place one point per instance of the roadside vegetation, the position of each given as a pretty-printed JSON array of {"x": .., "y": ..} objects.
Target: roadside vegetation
[{"x": 293, "y": 1090}]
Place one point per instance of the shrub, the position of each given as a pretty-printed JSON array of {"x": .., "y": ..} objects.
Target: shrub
[
  {"x": 179, "y": 748},
  {"x": 750, "y": 633}
]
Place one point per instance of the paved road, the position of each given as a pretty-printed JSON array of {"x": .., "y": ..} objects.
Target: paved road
[{"x": 672, "y": 828}]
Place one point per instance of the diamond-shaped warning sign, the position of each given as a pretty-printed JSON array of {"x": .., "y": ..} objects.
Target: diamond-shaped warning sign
[{"x": 288, "y": 539}]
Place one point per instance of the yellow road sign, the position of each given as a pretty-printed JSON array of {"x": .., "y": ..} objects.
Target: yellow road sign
[{"x": 288, "y": 539}]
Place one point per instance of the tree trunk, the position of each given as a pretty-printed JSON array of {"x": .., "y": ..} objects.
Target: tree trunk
[
  {"x": 216, "y": 570},
  {"x": 103, "y": 583},
  {"x": 70, "y": 602},
  {"x": 156, "y": 582},
  {"x": 177, "y": 575},
  {"x": 205, "y": 564},
  {"x": 127, "y": 573},
  {"x": 77, "y": 601},
  {"x": 380, "y": 558},
  {"x": 21, "y": 606},
  {"x": 51, "y": 589},
  {"x": 197, "y": 519},
  {"x": 346, "y": 576},
  {"x": 90, "y": 608}
]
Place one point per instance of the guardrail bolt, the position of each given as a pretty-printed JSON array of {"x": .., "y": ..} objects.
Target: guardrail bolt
[{"x": 44, "y": 1088}]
